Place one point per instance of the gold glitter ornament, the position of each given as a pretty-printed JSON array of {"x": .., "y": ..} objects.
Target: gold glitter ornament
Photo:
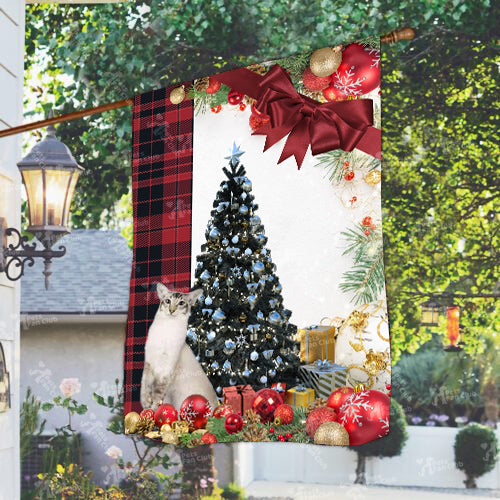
[
  {"x": 170, "y": 437},
  {"x": 359, "y": 388},
  {"x": 153, "y": 435},
  {"x": 165, "y": 428},
  {"x": 375, "y": 362},
  {"x": 332, "y": 434},
  {"x": 131, "y": 421},
  {"x": 358, "y": 320},
  {"x": 177, "y": 95},
  {"x": 373, "y": 177},
  {"x": 145, "y": 425},
  {"x": 325, "y": 61},
  {"x": 180, "y": 426},
  {"x": 277, "y": 421}
]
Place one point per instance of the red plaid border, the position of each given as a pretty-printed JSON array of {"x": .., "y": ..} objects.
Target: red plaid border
[{"x": 162, "y": 172}]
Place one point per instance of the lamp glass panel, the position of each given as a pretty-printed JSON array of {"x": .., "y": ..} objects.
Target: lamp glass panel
[
  {"x": 69, "y": 199},
  {"x": 56, "y": 191},
  {"x": 34, "y": 191}
]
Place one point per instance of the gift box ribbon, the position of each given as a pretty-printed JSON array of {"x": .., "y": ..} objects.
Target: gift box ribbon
[{"x": 323, "y": 126}]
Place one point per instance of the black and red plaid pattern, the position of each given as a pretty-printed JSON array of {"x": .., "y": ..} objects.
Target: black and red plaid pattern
[{"x": 162, "y": 171}]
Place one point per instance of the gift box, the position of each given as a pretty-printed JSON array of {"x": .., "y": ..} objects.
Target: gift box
[
  {"x": 317, "y": 342},
  {"x": 239, "y": 397},
  {"x": 279, "y": 387},
  {"x": 299, "y": 396},
  {"x": 323, "y": 376}
]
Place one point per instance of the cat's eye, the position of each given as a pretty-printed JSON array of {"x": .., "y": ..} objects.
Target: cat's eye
[
  {"x": 167, "y": 301},
  {"x": 182, "y": 303}
]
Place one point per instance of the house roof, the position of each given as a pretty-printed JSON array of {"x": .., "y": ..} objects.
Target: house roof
[{"x": 92, "y": 278}]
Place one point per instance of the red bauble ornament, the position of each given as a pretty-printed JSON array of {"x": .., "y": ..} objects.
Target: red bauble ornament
[
  {"x": 317, "y": 417},
  {"x": 365, "y": 416},
  {"x": 257, "y": 121},
  {"x": 208, "y": 438},
  {"x": 349, "y": 176},
  {"x": 367, "y": 221},
  {"x": 222, "y": 411},
  {"x": 265, "y": 402},
  {"x": 216, "y": 109},
  {"x": 388, "y": 387},
  {"x": 285, "y": 413},
  {"x": 234, "y": 97},
  {"x": 338, "y": 397},
  {"x": 243, "y": 107},
  {"x": 332, "y": 93},
  {"x": 213, "y": 86},
  {"x": 313, "y": 82},
  {"x": 359, "y": 71},
  {"x": 195, "y": 410},
  {"x": 148, "y": 413},
  {"x": 233, "y": 423},
  {"x": 165, "y": 414}
]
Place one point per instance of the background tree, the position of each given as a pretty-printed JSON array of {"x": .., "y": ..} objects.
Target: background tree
[
  {"x": 390, "y": 445},
  {"x": 239, "y": 328}
]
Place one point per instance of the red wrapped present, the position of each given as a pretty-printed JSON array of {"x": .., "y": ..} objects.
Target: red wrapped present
[
  {"x": 279, "y": 387},
  {"x": 239, "y": 397}
]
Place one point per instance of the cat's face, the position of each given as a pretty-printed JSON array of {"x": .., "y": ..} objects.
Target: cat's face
[{"x": 176, "y": 304}]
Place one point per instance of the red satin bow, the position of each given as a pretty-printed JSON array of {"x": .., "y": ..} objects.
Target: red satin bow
[{"x": 324, "y": 126}]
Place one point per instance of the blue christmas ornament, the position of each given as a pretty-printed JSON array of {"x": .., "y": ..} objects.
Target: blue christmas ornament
[
  {"x": 244, "y": 196},
  {"x": 227, "y": 365},
  {"x": 226, "y": 223},
  {"x": 254, "y": 355},
  {"x": 214, "y": 365},
  {"x": 191, "y": 334},
  {"x": 253, "y": 328},
  {"x": 225, "y": 242},
  {"x": 260, "y": 315},
  {"x": 232, "y": 381},
  {"x": 235, "y": 239},
  {"x": 216, "y": 284},
  {"x": 268, "y": 354},
  {"x": 246, "y": 275},
  {"x": 247, "y": 185},
  {"x": 248, "y": 251},
  {"x": 278, "y": 287},
  {"x": 252, "y": 287},
  {"x": 214, "y": 233},
  {"x": 258, "y": 267},
  {"x": 205, "y": 275},
  {"x": 263, "y": 379},
  {"x": 274, "y": 318},
  {"x": 279, "y": 360},
  {"x": 255, "y": 220},
  {"x": 211, "y": 336},
  {"x": 261, "y": 239},
  {"x": 272, "y": 303},
  {"x": 218, "y": 390},
  {"x": 206, "y": 312},
  {"x": 218, "y": 316},
  {"x": 229, "y": 344},
  {"x": 263, "y": 251},
  {"x": 252, "y": 299},
  {"x": 201, "y": 299},
  {"x": 208, "y": 301},
  {"x": 272, "y": 373},
  {"x": 262, "y": 282},
  {"x": 243, "y": 209},
  {"x": 246, "y": 373}
]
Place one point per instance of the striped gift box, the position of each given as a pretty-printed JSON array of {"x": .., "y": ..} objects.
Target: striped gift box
[{"x": 323, "y": 376}]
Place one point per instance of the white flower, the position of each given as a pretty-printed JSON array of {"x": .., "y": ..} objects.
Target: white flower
[
  {"x": 70, "y": 386},
  {"x": 114, "y": 452}
]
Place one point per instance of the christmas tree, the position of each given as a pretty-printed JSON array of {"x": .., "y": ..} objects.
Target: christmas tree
[{"x": 239, "y": 329}]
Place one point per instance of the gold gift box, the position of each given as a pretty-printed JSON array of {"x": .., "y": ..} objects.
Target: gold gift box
[
  {"x": 299, "y": 396},
  {"x": 317, "y": 342}
]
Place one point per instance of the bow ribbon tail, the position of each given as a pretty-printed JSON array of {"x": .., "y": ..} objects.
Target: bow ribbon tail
[{"x": 297, "y": 142}]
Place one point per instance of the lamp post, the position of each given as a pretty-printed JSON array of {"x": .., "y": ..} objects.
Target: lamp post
[
  {"x": 50, "y": 173},
  {"x": 430, "y": 314}
]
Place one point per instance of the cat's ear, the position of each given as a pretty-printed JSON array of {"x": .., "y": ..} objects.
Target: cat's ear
[
  {"x": 194, "y": 295},
  {"x": 162, "y": 291}
]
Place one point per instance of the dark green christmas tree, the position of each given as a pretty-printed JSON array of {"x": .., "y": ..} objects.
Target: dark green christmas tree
[{"x": 239, "y": 328}]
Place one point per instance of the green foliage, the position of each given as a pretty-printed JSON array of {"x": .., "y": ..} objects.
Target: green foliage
[
  {"x": 233, "y": 492},
  {"x": 476, "y": 451},
  {"x": 30, "y": 423},
  {"x": 433, "y": 382},
  {"x": 393, "y": 443}
]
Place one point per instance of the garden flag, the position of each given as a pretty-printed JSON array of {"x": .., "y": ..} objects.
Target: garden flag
[{"x": 257, "y": 296}]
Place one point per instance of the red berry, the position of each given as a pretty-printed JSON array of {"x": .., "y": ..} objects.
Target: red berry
[
  {"x": 288, "y": 435},
  {"x": 216, "y": 109},
  {"x": 349, "y": 176},
  {"x": 354, "y": 198},
  {"x": 388, "y": 387},
  {"x": 281, "y": 436},
  {"x": 271, "y": 429},
  {"x": 373, "y": 226},
  {"x": 367, "y": 221},
  {"x": 243, "y": 107},
  {"x": 346, "y": 163},
  {"x": 234, "y": 97},
  {"x": 314, "y": 83},
  {"x": 389, "y": 393},
  {"x": 213, "y": 86},
  {"x": 367, "y": 232}
]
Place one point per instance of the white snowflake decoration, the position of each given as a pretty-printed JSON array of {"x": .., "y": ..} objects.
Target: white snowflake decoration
[
  {"x": 384, "y": 429},
  {"x": 375, "y": 53},
  {"x": 347, "y": 83},
  {"x": 208, "y": 411},
  {"x": 241, "y": 341},
  {"x": 352, "y": 407},
  {"x": 190, "y": 414}
]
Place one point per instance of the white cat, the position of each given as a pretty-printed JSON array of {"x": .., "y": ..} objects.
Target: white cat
[{"x": 171, "y": 371}]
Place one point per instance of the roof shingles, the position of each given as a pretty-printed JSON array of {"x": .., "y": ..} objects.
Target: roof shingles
[{"x": 92, "y": 278}]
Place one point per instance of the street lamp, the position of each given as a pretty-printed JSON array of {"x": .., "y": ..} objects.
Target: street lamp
[
  {"x": 50, "y": 173},
  {"x": 430, "y": 314}
]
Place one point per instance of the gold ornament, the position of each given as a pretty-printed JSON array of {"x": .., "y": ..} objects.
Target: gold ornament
[
  {"x": 222, "y": 276},
  {"x": 131, "y": 420},
  {"x": 268, "y": 336},
  {"x": 177, "y": 95},
  {"x": 373, "y": 177},
  {"x": 201, "y": 84},
  {"x": 170, "y": 437},
  {"x": 331, "y": 433},
  {"x": 180, "y": 426},
  {"x": 325, "y": 61},
  {"x": 317, "y": 403},
  {"x": 375, "y": 362},
  {"x": 257, "y": 68},
  {"x": 277, "y": 421},
  {"x": 153, "y": 435},
  {"x": 249, "y": 100},
  {"x": 358, "y": 320},
  {"x": 251, "y": 417},
  {"x": 165, "y": 428},
  {"x": 359, "y": 388},
  {"x": 243, "y": 317},
  {"x": 144, "y": 425}
]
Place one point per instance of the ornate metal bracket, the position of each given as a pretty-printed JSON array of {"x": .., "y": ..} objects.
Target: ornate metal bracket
[{"x": 17, "y": 256}]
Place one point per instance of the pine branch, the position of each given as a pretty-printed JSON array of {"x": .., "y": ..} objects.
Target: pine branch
[
  {"x": 370, "y": 41},
  {"x": 295, "y": 65},
  {"x": 203, "y": 101},
  {"x": 335, "y": 162}
]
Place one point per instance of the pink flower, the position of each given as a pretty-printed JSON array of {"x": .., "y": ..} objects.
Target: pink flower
[
  {"x": 203, "y": 483},
  {"x": 114, "y": 452},
  {"x": 70, "y": 387}
]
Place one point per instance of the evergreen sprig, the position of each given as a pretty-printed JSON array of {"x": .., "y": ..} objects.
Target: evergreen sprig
[
  {"x": 295, "y": 65},
  {"x": 203, "y": 101},
  {"x": 370, "y": 41},
  {"x": 366, "y": 278},
  {"x": 333, "y": 162}
]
